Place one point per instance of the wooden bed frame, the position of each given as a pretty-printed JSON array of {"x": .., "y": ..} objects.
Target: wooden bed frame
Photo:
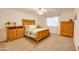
[{"x": 41, "y": 34}]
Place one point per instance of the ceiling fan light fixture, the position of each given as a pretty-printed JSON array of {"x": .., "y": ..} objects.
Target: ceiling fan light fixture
[{"x": 40, "y": 13}]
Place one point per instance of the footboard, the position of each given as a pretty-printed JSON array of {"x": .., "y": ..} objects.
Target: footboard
[{"x": 42, "y": 34}]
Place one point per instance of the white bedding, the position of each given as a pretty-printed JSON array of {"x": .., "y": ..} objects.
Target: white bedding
[
  {"x": 40, "y": 29},
  {"x": 31, "y": 30}
]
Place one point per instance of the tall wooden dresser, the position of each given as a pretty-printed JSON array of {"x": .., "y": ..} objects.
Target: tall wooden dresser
[
  {"x": 67, "y": 28},
  {"x": 14, "y": 32}
]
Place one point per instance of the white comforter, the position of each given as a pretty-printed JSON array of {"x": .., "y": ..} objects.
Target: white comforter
[{"x": 32, "y": 32}]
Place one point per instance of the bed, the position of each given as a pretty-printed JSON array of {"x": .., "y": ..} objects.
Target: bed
[{"x": 33, "y": 32}]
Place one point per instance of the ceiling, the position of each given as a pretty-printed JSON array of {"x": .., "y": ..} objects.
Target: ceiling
[{"x": 49, "y": 10}]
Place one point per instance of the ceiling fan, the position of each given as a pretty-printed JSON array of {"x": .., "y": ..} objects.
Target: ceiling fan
[{"x": 41, "y": 11}]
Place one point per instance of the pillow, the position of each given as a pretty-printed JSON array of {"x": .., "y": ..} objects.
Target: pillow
[
  {"x": 32, "y": 27},
  {"x": 27, "y": 27}
]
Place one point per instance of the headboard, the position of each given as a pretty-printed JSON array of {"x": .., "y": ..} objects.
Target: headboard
[{"x": 28, "y": 22}]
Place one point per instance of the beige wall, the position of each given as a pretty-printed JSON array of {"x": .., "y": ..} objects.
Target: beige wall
[
  {"x": 76, "y": 29},
  {"x": 41, "y": 21},
  {"x": 67, "y": 14},
  {"x": 14, "y": 16}
]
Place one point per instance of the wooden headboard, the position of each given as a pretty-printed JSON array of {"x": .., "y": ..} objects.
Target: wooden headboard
[{"x": 28, "y": 22}]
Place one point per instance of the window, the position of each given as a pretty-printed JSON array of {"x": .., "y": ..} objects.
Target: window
[{"x": 52, "y": 21}]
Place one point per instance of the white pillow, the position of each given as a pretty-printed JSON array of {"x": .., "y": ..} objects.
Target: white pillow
[
  {"x": 32, "y": 27},
  {"x": 26, "y": 27}
]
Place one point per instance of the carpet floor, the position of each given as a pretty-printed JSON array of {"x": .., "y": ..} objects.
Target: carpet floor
[{"x": 51, "y": 43}]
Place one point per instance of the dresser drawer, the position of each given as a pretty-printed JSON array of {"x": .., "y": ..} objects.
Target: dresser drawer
[
  {"x": 67, "y": 28},
  {"x": 14, "y": 32}
]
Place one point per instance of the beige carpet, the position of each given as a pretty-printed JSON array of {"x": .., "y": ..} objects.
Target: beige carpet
[{"x": 51, "y": 43}]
